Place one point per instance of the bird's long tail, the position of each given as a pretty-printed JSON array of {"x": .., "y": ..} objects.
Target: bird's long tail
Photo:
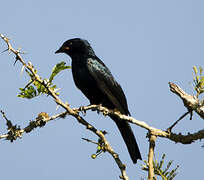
[{"x": 129, "y": 138}]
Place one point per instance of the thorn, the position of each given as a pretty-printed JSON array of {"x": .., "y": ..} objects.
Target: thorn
[
  {"x": 22, "y": 69},
  {"x": 5, "y": 50},
  {"x": 104, "y": 132},
  {"x": 191, "y": 115},
  {"x": 17, "y": 59}
]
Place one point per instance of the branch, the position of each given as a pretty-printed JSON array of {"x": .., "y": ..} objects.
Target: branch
[
  {"x": 192, "y": 103},
  {"x": 40, "y": 121},
  {"x": 69, "y": 110},
  {"x": 152, "y": 140},
  {"x": 178, "y": 138}
]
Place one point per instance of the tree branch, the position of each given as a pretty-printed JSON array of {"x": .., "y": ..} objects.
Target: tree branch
[
  {"x": 192, "y": 103},
  {"x": 152, "y": 140},
  {"x": 178, "y": 138},
  {"x": 69, "y": 110}
]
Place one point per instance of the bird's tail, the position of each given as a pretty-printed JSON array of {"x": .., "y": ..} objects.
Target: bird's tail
[{"x": 129, "y": 138}]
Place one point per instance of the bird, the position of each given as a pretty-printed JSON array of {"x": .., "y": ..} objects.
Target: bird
[{"x": 97, "y": 83}]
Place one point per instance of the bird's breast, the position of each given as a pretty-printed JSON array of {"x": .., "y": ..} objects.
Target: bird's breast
[{"x": 83, "y": 79}]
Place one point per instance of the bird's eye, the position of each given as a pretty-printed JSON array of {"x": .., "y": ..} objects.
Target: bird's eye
[{"x": 67, "y": 48}]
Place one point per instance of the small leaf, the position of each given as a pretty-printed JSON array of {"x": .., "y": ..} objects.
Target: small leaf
[
  {"x": 165, "y": 174},
  {"x": 201, "y": 70},
  {"x": 202, "y": 81},
  {"x": 28, "y": 92},
  {"x": 57, "y": 68},
  {"x": 195, "y": 70},
  {"x": 197, "y": 79},
  {"x": 201, "y": 91}
]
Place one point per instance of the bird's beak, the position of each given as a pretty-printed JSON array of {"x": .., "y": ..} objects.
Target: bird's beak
[{"x": 62, "y": 49}]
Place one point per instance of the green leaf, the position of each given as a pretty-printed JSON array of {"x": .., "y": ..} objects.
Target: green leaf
[
  {"x": 195, "y": 70},
  {"x": 28, "y": 92},
  {"x": 35, "y": 88},
  {"x": 57, "y": 68},
  {"x": 166, "y": 173},
  {"x": 201, "y": 70},
  {"x": 162, "y": 161},
  {"x": 202, "y": 81},
  {"x": 198, "y": 80},
  {"x": 201, "y": 91}
]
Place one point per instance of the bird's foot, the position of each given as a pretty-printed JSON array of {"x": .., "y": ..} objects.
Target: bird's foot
[
  {"x": 82, "y": 110},
  {"x": 99, "y": 108}
]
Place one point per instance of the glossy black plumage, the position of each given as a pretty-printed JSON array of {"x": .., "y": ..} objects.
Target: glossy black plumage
[{"x": 97, "y": 83}]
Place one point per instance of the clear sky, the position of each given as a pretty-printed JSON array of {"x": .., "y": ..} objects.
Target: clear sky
[{"x": 146, "y": 44}]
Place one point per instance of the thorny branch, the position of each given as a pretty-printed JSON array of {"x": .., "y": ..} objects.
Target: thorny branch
[
  {"x": 40, "y": 121},
  {"x": 69, "y": 110},
  {"x": 178, "y": 138},
  {"x": 184, "y": 139}
]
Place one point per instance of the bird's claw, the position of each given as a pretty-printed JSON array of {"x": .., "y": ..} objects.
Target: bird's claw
[{"x": 82, "y": 109}]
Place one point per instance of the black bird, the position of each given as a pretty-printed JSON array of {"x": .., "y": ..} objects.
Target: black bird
[{"x": 97, "y": 83}]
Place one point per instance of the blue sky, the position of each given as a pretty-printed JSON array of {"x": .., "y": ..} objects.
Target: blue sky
[{"x": 146, "y": 44}]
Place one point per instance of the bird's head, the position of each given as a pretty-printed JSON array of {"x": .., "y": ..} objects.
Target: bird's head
[{"x": 76, "y": 47}]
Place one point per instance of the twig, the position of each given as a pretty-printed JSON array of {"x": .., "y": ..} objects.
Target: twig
[
  {"x": 88, "y": 140},
  {"x": 171, "y": 127},
  {"x": 40, "y": 121},
  {"x": 4, "y": 116}
]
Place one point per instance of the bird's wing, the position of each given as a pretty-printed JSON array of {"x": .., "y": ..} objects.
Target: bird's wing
[{"x": 107, "y": 84}]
